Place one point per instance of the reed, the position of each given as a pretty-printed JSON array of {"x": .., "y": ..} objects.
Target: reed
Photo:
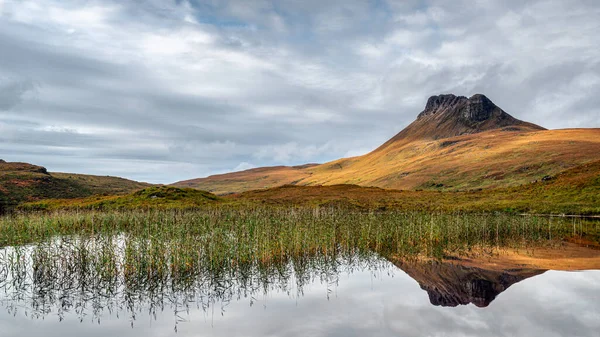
[
  {"x": 253, "y": 234},
  {"x": 129, "y": 261}
]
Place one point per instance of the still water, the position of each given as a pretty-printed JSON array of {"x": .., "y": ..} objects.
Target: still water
[{"x": 362, "y": 295}]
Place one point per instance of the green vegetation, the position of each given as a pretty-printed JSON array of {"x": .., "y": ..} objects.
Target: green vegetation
[
  {"x": 128, "y": 275},
  {"x": 238, "y": 235},
  {"x": 21, "y": 182},
  {"x": 575, "y": 191},
  {"x": 133, "y": 260},
  {"x": 161, "y": 197}
]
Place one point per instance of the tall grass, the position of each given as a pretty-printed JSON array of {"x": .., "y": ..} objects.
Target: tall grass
[
  {"x": 138, "y": 260},
  {"x": 98, "y": 274},
  {"x": 239, "y": 235}
]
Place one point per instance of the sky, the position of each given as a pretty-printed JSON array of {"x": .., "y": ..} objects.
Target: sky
[{"x": 161, "y": 91}]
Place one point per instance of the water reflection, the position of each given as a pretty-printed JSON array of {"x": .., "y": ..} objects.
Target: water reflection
[
  {"x": 94, "y": 276},
  {"x": 450, "y": 285},
  {"x": 50, "y": 289}
]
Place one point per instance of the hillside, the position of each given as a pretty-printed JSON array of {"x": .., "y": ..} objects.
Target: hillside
[
  {"x": 161, "y": 197},
  {"x": 258, "y": 178},
  {"x": 574, "y": 191},
  {"x": 21, "y": 182},
  {"x": 456, "y": 143}
]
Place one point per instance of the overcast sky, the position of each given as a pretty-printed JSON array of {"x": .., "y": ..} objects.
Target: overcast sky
[{"x": 160, "y": 91}]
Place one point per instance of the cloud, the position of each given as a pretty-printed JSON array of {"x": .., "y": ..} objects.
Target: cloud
[
  {"x": 243, "y": 166},
  {"x": 13, "y": 92},
  {"x": 198, "y": 87}
]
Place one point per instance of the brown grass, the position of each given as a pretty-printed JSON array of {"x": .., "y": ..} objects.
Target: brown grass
[
  {"x": 569, "y": 257},
  {"x": 492, "y": 159},
  {"x": 21, "y": 182},
  {"x": 573, "y": 191}
]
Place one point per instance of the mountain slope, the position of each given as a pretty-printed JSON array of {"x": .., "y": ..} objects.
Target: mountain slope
[
  {"x": 456, "y": 143},
  {"x": 26, "y": 182},
  {"x": 257, "y": 178},
  {"x": 574, "y": 191}
]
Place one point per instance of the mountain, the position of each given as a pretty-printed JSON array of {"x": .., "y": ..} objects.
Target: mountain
[
  {"x": 455, "y": 143},
  {"x": 21, "y": 182},
  {"x": 448, "y": 116}
]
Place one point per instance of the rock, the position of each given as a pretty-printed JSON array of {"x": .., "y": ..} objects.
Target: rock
[
  {"x": 478, "y": 108},
  {"x": 449, "y": 115},
  {"x": 440, "y": 103}
]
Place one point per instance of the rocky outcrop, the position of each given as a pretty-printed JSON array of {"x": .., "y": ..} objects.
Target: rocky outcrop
[{"x": 441, "y": 103}]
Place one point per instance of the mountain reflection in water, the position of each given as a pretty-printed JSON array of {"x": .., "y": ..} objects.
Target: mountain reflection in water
[
  {"x": 449, "y": 284},
  {"x": 74, "y": 279}
]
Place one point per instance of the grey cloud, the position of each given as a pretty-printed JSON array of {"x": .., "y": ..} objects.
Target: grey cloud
[{"x": 12, "y": 92}]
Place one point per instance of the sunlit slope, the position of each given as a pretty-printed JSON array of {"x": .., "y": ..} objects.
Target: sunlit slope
[
  {"x": 259, "y": 178},
  {"x": 574, "y": 191},
  {"x": 455, "y": 143},
  {"x": 485, "y": 160},
  {"x": 490, "y": 159}
]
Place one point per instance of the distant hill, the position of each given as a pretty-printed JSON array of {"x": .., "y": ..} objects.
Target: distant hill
[
  {"x": 161, "y": 197},
  {"x": 456, "y": 143},
  {"x": 257, "y": 178},
  {"x": 21, "y": 182},
  {"x": 574, "y": 191}
]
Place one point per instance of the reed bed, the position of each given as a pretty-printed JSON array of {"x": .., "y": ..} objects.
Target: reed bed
[
  {"x": 92, "y": 276},
  {"x": 240, "y": 235},
  {"x": 146, "y": 260}
]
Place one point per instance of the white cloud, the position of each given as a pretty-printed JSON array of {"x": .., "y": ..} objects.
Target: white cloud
[{"x": 243, "y": 166}]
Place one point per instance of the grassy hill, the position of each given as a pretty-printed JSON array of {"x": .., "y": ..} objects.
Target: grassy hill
[
  {"x": 161, "y": 197},
  {"x": 258, "y": 178},
  {"x": 20, "y": 182},
  {"x": 574, "y": 191},
  {"x": 455, "y": 144},
  {"x": 491, "y": 159}
]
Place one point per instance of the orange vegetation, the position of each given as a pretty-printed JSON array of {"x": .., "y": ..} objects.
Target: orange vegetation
[
  {"x": 568, "y": 257},
  {"x": 490, "y": 159}
]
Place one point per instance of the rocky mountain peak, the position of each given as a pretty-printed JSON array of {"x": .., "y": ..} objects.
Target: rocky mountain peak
[
  {"x": 441, "y": 102},
  {"x": 448, "y": 115},
  {"x": 477, "y": 108}
]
